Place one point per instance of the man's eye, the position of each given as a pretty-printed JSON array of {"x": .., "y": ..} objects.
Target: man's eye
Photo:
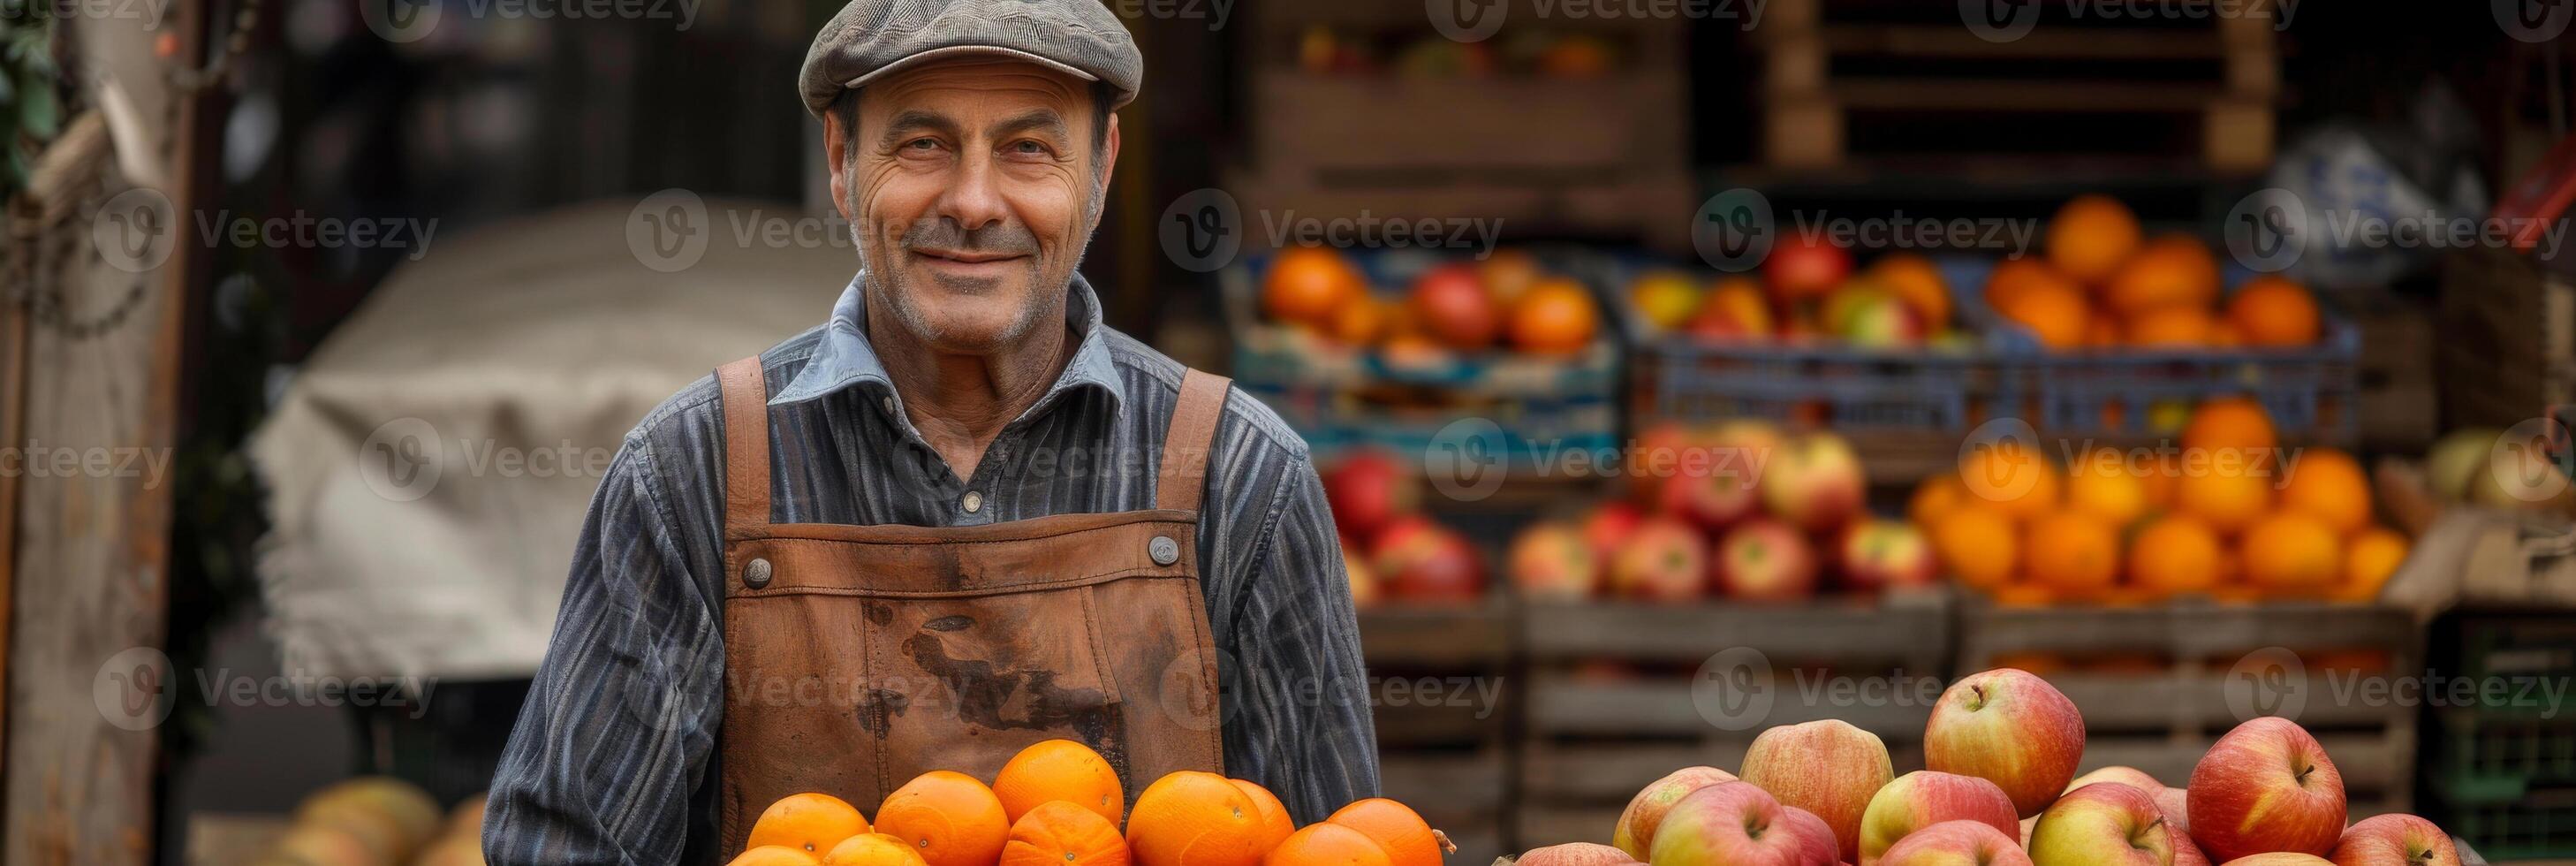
[
  {"x": 1029, "y": 148},
  {"x": 922, "y": 144}
]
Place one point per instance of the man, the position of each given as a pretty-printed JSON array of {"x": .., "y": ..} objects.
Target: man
[{"x": 960, "y": 517}]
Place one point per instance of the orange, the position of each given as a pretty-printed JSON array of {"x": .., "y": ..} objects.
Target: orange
[
  {"x": 1307, "y": 284},
  {"x": 2272, "y": 311},
  {"x": 1508, "y": 273},
  {"x": 2017, "y": 479},
  {"x": 1555, "y": 317},
  {"x": 1192, "y": 818},
  {"x": 1362, "y": 321},
  {"x": 1739, "y": 300},
  {"x": 2175, "y": 554},
  {"x": 1408, "y": 840},
  {"x": 2169, "y": 327},
  {"x": 872, "y": 849},
  {"x": 2103, "y": 484},
  {"x": 2091, "y": 236},
  {"x": 1060, "y": 770},
  {"x": 774, "y": 855},
  {"x": 2228, "y": 501},
  {"x": 1979, "y": 545},
  {"x": 811, "y": 823},
  {"x": 1935, "y": 497},
  {"x": 2013, "y": 276},
  {"x": 1328, "y": 844},
  {"x": 1276, "y": 823},
  {"x": 2024, "y": 594},
  {"x": 2230, "y": 429},
  {"x": 1915, "y": 281},
  {"x": 1058, "y": 833},
  {"x": 2101, "y": 332},
  {"x": 2075, "y": 554},
  {"x": 2293, "y": 554},
  {"x": 2054, "y": 312},
  {"x": 951, "y": 819},
  {"x": 2172, "y": 270},
  {"x": 2368, "y": 562},
  {"x": 2329, "y": 485},
  {"x": 2158, "y": 481}
]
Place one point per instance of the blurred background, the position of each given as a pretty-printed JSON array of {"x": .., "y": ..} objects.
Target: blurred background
[{"x": 323, "y": 317}]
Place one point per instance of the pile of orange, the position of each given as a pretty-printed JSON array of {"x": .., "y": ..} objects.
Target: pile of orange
[
  {"x": 1507, "y": 300},
  {"x": 1058, "y": 803},
  {"x": 2228, "y": 515},
  {"x": 2103, "y": 284}
]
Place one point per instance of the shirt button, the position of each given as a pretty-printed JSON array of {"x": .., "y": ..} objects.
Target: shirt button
[{"x": 973, "y": 502}]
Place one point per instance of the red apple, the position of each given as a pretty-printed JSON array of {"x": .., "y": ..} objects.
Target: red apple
[
  {"x": 1367, "y": 490},
  {"x": 2102, "y": 824},
  {"x": 1724, "y": 484},
  {"x": 1826, "y": 767},
  {"x": 1551, "y": 561},
  {"x": 1727, "y": 824},
  {"x": 1887, "y": 554},
  {"x": 1635, "y": 832},
  {"x": 1576, "y": 854},
  {"x": 1955, "y": 843},
  {"x": 2176, "y": 804},
  {"x": 2168, "y": 804},
  {"x": 1662, "y": 561},
  {"x": 1923, "y": 798},
  {"x": 2395, "y": 840},
  {"x": 1816, "y": 845},
  {"x": 1805, "y": 265},
  {"x": 2009, "y": 727},
  {"x": 1765, "y": 560},
  {"x": 1422, "y": 561},
  {"x": 2266, "y": 786},
  {"x": 1655, "y": 460},
  {"x": 1607, "y": 528},
  {"x": 1452, "y": 306},
  {"x": 1814, "y": 482}
]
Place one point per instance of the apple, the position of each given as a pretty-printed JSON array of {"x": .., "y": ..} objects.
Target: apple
[
  {"x": 1879, "y": 320},
  {"x": 1805, "y": 265},
  {"x": 1887, "y": 554},
  {"x": 1826, "y": 767},
  {"x": 1955, "y": 843},
  {"x": 2009, "y": 727},
  {"x": 1576, "y": 854},
  {"x": 1655, "y": 460},
  {"x": 1926, "y": 797},
  {"x": 1816, "y": 845},
  {"x": 2266, "y": 786},
  {"x": 1508, "y": 274},
  {"x": 1551, "y": 560},
  {"x": 1727, "y": 824},
  {"x": 2395, "y": 840},
  {"x": 1814, "y": 482},
  {"x": 1662, "y": 561},
  {"x": 1725, "y": 484},
  {"x": 1367, "y": 490},
  {"x": 1451, "y": 305},
  {"x": 1666, "y": 298},
  {"x": 1366, "y": 590},
  {"x": 1765, "y": 560},
  {"x": 1423, "y": 561},
  {"x": 1635, "y": 832},
  {"x": 2130, "y": 776},
  {"x": 1608, "y": 526},
  {"x": 1734, "y": 307},
  {"x": 2169, "y": 803},
  {"x": 2102, "y": 824},
  {"x": 2280, "y": 858},
  {"x": 2176, "y": 804}
]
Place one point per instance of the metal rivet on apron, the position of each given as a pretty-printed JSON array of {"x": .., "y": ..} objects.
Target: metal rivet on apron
[
  {"x": 756, "y": 574},
  {"x": 1164, "y": 549},
  {"x": 973, "y": 502}
]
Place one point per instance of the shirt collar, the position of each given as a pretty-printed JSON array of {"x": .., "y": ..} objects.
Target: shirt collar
[{"x": 843, "y": 358}]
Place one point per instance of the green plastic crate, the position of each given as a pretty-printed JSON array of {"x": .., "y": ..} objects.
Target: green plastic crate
[
  {"x": 2481, "y": 757},
  {"x": 2544, "y": 828}
]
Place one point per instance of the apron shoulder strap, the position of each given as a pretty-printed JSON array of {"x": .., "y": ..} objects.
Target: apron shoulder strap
[
  {"x": 746, "y": 433},
  {"x": 1189, "y": 440}
]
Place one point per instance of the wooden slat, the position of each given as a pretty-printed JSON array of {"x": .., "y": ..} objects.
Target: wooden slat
[
  {"x": 1912, "y": 630},
  {"x": 1971, "y": 94},
  {"x": 1469, "y": 638},
  {"x": 2183, "y": 629},
  {"x": 2199, "y": 700},
  {"x": 1954, "y": 42},
  {"x": 1560, "y": 705}
]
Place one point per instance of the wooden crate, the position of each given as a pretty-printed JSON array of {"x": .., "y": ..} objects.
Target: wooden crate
[
  {"x": 2508, "y": 348},
  {"x": 1852, "y": 82},
  {"x": 2153, "y": 682},
  {"x": 1446, "y": 753}
]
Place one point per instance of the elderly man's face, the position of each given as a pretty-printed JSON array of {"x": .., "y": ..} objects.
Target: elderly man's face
[{"x": 975, "y": 187}]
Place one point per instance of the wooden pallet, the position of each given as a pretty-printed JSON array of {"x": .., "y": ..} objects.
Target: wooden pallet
[{"x": 1833, "y": 79}]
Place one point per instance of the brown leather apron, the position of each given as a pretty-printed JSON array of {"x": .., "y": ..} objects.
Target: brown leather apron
[{"x": 858, "y": 657}]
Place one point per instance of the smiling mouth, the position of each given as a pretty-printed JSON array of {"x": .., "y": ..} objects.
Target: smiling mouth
[{"x": 965, "y": 257}]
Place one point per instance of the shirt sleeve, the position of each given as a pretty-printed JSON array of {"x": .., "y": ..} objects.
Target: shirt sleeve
[
  {"x": 1296, "y": 690},
  {"x": 621, "y": 717}
]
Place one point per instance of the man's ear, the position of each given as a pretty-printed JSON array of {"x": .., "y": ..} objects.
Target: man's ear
[{"x": 836, "y": 150}]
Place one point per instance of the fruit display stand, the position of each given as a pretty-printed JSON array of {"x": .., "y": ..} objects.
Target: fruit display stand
[
  {"x": 2502, "y": 770},
  {"x": 1592, "y": 740},
  {"x": 2154, "y": 681},
  {"x": 1447, "y": 750}
]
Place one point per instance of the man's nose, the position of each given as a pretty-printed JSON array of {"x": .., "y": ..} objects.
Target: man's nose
[{"x": 974, "y": 201}]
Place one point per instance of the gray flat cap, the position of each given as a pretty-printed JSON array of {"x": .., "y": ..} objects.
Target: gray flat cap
[{"x": 869, "y": 38}]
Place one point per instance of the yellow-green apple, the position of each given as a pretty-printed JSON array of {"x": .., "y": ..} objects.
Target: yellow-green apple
[
  {"x": 2280, "y": 858},
  {"x": 1635, "y": 833},
  {"x": 1882, "y": 554},
  {"x": 1667, "y": 298},
  {"x": 1576, "y": 854},
  {"x": 2130, "y": 776},
  {"x": 1814, "y": 482},
  {"x": 1826, "y": 767},
  {"x": 1878, "y": 319},
  {"x": 1816, "y": 845},
  {"x": 2009, "y": 727},
  {"x": 1955, "y": 843},
  {"x": 1662, "y": 561},
  {"x": 1923, "y": 798},
  {"x": 1765, "y": 560},
  {"x": 1550, "y": 560},
  {"x": 2102, "y": 824},
  {"x": 1727, "y": 824},
  {"x": 2168, "y": 803},
  {"x": 2395, "y": 840},
  {"x": 2266, "y": 786}
]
